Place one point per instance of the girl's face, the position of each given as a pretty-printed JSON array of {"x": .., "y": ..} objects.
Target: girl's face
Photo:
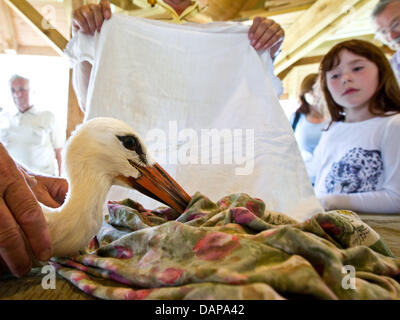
[
  {"x": 310, "y": 98},
  {"x": 353, "y": 81}
]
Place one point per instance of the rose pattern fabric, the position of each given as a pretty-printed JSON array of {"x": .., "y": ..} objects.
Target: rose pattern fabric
[{"x": 232, "y": 249}]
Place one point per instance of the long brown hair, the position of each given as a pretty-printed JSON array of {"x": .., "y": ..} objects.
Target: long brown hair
[
  {"x": 305, "y": 87},
  {"x": 387, "y": 95}
]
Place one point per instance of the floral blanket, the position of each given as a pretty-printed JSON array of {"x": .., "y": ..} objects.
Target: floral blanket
[{"x": 232, "y": 249}]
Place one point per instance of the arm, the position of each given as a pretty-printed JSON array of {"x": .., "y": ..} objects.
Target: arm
[
  {"x": 386, "y": 200},
  {"x": 58, "y": 157},
  {"x": 20, "y": 214},
  {"x": 374, "y": 202},
  {"x": 87, "y": 19},
  {"x": 313, "y": 164},
  {"x": 56, "y": 140},
  {"x": 80, "y": 81}
]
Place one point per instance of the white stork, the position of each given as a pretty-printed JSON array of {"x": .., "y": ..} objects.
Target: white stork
[{"x": 101, "y": 153}]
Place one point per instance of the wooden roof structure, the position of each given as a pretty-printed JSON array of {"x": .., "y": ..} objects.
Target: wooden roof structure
[{"x": 312, "y": 27}]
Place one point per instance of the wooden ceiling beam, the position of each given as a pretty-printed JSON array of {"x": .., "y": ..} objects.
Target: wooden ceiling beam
[
  {"x": 223, "y": 10},
  {"x": 326, "y": 17},
  {"x": 285, "y": 4},
  {"x": 8, "y": 39},
  {"x": 301, "y": 62},
  {"x": 128, "y": 4},
  {"x": 30, "y": 15},
  {"x": 316, "y": 55},
  {"x": 251, "y": 14},
  {"x": 274, "y": 8},
  {"x": 36, "y": 50},
  {"x": 254, "y": 4}
]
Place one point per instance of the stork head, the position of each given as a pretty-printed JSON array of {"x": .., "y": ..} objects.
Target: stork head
[{"x": 110, "y": 148}]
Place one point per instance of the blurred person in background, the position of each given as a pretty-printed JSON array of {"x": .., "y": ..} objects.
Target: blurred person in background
[
  {"x": 309, "y": 119},
  {"x": 386, "y": 18},
  {"x": 30, "y": 135}
]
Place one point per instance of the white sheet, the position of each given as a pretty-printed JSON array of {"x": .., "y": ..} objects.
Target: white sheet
[{"x": 177, "y": 80}]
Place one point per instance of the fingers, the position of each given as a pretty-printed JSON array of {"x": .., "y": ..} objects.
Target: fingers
[
  {"x": 254, "y": 26},
  {"x": 90, "y": 18},
  {"x": 98, "y": 18},
  {"x": 28, "y": 215},
  {"x": 3, "y": 267},
  {"x": 88, "y": 13},
  {"x": 259, "y": 28},
  {"x": 60, "y": 190},
  {"x": 265, "y": 33},
  {"x": 50, "y": 189},
  {"x": 275, "y": 40},
  {"x": 44, "y": 197},
  {"x": 40, "y": 191},
  {"x": 79, "y": 21},
  {"x": 12, "y": 244},
  {"x": 266, "y": 37},
  {"x": 105, "y": 5}
]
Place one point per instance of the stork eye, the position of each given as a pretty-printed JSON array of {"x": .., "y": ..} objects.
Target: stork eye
[
  {"x": 132, "y": 143},
  {"x": 129, "y": 142}
]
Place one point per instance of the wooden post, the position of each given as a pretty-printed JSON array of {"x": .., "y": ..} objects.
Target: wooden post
[{"x": 74, "y": 114}]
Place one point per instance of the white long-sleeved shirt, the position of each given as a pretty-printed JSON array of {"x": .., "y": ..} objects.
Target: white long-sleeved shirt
[{"x": 357, "y": 166}]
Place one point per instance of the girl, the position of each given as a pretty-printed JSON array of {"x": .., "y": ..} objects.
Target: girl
[
  {"x": 357, "y": 161},
  {"x": 309, "y": 119}
]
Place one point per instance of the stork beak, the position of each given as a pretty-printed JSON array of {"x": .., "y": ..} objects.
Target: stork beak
[{"x": 156, "y": 183}]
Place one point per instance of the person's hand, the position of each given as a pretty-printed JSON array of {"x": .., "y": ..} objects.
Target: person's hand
[
  {"x": 20, "y": 213},
  {"x": 50, "y": 191},
  {"x": 90, "y": 18},
  {"x": 266, "y": 34}
]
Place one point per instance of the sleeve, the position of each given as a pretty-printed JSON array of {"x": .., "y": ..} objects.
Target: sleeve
[
  {"x": 291, "y": 118},
  {"x": 81, "y": 47},
  {"x": 313, "y": 164},
  {"x": 56, "y": 138},
  {"x": 386, "y": 200}
]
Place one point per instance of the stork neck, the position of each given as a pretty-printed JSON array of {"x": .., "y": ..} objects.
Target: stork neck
[
  {"x": 73, "y": 225},
  {"x": 89, "y": 195}
]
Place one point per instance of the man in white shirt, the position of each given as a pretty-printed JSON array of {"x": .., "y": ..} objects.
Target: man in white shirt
[
  {"x": 386, "y": 16},
  {"x": 29, "y": 135}
]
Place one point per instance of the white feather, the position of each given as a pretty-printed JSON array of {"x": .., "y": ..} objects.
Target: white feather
[{"x": 92, "y": 159}]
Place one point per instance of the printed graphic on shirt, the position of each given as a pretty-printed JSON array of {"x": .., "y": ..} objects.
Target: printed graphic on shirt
[{"x": 358, "y": 171}]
